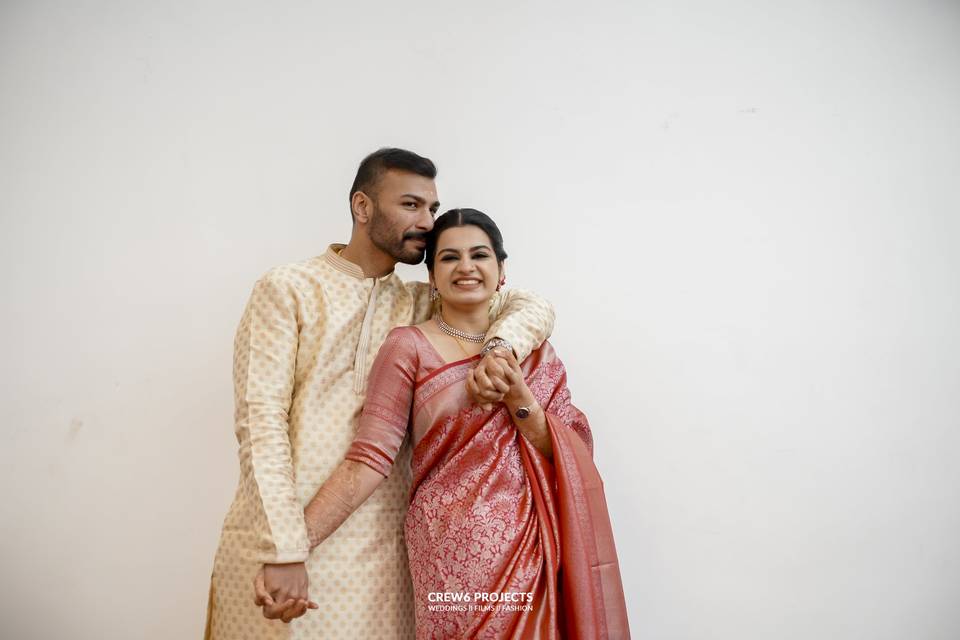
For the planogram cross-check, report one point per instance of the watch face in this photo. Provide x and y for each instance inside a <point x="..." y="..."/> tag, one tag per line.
<point x="523" y="412"/>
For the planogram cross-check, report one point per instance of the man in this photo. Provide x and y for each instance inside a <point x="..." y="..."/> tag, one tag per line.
<point x="302" y="352"/>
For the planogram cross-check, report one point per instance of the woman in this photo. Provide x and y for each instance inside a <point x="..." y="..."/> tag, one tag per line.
<point x="507" y="530"/>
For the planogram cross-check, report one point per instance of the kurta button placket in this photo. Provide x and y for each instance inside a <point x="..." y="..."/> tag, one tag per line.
<point x="363" y="345"/>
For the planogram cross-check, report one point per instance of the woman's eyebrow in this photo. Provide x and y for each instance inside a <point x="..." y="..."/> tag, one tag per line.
<point x="474" y="248"/>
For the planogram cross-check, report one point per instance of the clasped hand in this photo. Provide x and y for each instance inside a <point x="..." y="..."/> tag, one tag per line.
<point x="496" y="378"/>
<point x="281" y="591"/>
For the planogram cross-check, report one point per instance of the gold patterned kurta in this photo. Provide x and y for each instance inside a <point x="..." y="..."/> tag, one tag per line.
<point x="302" y="353"/>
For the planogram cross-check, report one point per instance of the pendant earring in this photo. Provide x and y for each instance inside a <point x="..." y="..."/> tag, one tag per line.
<point x="502" y="282"/>
<point x="434" y="294"/>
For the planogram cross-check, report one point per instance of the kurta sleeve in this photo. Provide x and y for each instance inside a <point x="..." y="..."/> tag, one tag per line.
<point x="386" y="409"/>
<point x="523" y="319"/>
<point x="265" y="354"/>
<point x="422" y="304"/>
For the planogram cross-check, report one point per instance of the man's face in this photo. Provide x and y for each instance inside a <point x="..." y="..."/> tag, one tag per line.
<point x="404" y="205"/>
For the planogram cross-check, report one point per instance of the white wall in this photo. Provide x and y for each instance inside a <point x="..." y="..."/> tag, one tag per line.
<point x="745" y="213"/>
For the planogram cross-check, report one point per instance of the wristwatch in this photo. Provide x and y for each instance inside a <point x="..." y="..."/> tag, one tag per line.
<point x="523" y="412"/>
<point x="493" y="343"/>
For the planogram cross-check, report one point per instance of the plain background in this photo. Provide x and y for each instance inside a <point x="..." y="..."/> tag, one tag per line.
<point x="746" y="214"/>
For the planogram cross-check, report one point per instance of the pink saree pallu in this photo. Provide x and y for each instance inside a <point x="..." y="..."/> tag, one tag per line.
<point x="502" y="541"/>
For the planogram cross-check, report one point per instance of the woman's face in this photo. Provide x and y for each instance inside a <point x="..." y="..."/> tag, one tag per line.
<point x="465" y="269"/>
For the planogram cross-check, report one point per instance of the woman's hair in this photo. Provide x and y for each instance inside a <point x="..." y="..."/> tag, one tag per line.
<point x="463" y="218"/>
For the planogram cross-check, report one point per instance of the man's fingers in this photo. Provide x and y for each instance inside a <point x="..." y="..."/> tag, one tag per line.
<point x="495" y="379"/>
<point x="282" y="595"/>
<point x="512" y="377"/>
<point x="508" y="362"/>
<point x="513" y="372"/>
<point x="492" y="366"/>
<point x="501" y="384"/>
<point x="482" y="395"/>
<point x="261" y="596"/>
<point x="263" y="600"/>
<point x="482" y="380"/>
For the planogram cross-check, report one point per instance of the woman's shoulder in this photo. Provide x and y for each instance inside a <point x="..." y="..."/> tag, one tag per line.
<point x="404" y="331"/>
<point x="404" y="339"/>
<point x="406" y="334"/>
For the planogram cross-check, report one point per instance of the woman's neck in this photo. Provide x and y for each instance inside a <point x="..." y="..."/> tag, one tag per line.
<point x="472" y="319"/>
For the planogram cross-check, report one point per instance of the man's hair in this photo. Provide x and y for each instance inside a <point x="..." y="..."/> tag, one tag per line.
<point x="380" y="161"/>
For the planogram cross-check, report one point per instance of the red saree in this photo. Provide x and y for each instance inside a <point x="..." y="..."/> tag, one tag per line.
<point x="502" y="542"/>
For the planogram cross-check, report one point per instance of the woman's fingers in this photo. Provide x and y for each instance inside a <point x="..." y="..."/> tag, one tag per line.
<point x="511" y="369"/>
<point x="275" y="612"/>
<point x="487" y="390"/>
<point x="483" y="380"/>
<point x="474" y="392"/>
<point x="298" y="609"/>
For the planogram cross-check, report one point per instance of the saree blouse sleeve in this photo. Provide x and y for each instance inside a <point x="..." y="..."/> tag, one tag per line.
<point x="386" y="410"/>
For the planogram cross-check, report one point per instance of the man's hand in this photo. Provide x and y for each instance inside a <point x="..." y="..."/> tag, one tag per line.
<point x="281" y="590"/>
<point x="487" y="382"/>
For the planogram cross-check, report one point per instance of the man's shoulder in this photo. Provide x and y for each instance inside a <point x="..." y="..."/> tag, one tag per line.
<point x="414" y="286"/>
<point x="296" y="274"/>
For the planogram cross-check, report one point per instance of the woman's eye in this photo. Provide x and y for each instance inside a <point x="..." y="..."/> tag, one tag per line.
<point x="449" y="258"/>
<point x="478" y="256"/>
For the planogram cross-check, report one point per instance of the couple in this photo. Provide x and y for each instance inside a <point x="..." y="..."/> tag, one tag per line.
<point x="505" y="501"/>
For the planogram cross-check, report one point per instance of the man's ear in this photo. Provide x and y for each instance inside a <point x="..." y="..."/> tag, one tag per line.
<point x="361" y="206"/>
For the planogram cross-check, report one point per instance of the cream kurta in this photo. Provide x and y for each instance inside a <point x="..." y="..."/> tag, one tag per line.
<point x="302" y="353"/>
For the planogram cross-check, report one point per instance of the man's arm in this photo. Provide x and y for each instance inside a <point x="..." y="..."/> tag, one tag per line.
<point x="265" y="352"/>
<point x="422" y="304"/>
<point x="522" y="318"/>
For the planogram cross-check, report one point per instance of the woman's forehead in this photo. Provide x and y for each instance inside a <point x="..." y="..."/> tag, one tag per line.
<point x="462" y="238"/>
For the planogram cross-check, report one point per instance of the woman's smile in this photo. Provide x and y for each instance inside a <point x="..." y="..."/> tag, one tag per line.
<point x="468" y="283"/>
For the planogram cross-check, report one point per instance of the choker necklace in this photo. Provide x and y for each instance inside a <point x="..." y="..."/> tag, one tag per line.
<point x="479" y="338"/>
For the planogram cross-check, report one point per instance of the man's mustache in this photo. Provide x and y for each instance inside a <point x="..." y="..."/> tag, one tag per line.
<point x="413" y="235"/>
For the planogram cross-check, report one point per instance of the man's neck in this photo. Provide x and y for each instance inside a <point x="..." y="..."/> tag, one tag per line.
<point x="375" y="263"/>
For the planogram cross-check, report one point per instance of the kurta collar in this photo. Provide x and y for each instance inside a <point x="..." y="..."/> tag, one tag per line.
<point x="338" y="262"/>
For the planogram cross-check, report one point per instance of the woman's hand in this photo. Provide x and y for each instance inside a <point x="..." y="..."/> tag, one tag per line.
<point x="517" y="394"/>
<point x="534" y="426"/>
<point x="486" y="382"/>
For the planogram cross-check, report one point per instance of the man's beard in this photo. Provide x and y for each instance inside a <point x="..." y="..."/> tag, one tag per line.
<point x="386" y="238"/>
